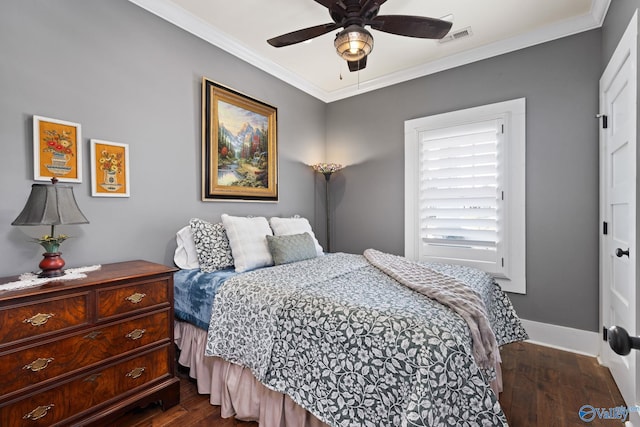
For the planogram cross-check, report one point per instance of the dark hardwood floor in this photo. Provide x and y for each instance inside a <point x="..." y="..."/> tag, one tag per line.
<point x="547" y="387"/>
<point x="542" y="387"/>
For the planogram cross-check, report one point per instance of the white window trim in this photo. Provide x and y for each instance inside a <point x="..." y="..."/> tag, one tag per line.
<point x="514" y="277"/>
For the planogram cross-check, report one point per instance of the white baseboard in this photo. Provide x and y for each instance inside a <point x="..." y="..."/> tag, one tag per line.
<point x="563" y="338"/>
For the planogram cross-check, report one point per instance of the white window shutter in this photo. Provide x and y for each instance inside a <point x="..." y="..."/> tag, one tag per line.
<point x="465" y="190"/>
<point x="459" y="184"/>
<point x="460" y="191"/>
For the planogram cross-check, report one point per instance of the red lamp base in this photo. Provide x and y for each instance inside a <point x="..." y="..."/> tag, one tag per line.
<point x="51" y="265"/>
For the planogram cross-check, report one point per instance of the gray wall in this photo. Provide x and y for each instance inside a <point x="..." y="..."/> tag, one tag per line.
<point x="127" y="76"/>
<point x="559" y="80"/>
<point x="618" y="17"/>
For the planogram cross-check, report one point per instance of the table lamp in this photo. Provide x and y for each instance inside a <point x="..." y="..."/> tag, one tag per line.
<point x="51" y="204"/>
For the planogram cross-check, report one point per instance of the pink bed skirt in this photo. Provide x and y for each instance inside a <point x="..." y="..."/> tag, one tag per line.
<point x="237" y="392"/>
<point x="234" y="388"/>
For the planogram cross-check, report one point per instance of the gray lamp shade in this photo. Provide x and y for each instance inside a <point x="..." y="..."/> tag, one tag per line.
<point x="51" y="204"/>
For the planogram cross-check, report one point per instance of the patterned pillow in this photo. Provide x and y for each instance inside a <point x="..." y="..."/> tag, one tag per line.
<point x="291" y="248"/>
<point x="212" y="245"/>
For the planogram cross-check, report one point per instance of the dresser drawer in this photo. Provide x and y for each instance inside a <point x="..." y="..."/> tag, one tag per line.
<point x="55" y="405"/>
<point x="28" y="367"/>
<point x="43" y="316"/>
<point x="131" y="297"/>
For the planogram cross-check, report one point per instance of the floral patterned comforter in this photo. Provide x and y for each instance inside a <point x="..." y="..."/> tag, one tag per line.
<point x="356" y="348"/>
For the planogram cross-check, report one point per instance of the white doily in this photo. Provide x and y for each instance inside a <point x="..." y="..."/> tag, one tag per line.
<point x="28" y="280"/>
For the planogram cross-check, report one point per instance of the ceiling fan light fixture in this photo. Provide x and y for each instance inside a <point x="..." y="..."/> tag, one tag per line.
<point x="353" y="43"/>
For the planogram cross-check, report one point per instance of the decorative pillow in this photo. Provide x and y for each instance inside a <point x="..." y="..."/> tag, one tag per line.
<point x="212" y="245"/>
<point x="248" y="242"/>
<point x="291" y="248"/>
<point x="185" y="256"/>
<point x="295" y="225"/>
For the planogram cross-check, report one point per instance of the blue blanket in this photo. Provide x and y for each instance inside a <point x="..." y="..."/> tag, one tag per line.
<point x="194" y="292"/>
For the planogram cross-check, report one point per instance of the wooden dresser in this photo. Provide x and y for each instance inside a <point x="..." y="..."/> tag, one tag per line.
<point x="81" y="352"/>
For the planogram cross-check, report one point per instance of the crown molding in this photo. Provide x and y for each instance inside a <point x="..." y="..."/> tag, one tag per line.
<point x="168" y="11"/>
<point x="565" y="28"/>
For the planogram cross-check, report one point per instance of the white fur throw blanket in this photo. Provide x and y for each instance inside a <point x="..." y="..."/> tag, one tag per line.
<point x="447" y="291"/>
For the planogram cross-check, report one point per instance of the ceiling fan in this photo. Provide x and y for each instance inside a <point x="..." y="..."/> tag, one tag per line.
<point x="354" y="42"/>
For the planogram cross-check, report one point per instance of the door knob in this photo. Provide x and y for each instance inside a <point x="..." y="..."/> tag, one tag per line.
<point x="620" y="252"/>
<point x="620" y="341"/>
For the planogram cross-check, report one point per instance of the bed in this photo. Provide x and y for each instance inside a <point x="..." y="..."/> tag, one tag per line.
<point x="337" y="339"/>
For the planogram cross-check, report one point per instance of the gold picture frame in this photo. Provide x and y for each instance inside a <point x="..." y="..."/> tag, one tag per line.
<point x="239" y="146"/>
<point x="109" y="169"/>
<point x="57" y="150"/>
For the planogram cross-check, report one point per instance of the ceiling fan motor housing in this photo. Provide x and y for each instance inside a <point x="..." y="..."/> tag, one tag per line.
<point x="353" y="43"/>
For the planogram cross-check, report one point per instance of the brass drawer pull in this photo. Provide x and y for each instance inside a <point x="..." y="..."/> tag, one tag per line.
<point x="136" y="334"/>
<point x="136" y="373"/>
<point x="92" y="335"/>
<point x="135" y="298"/>
<point x="39" y="412"/>
<point x="39" y="364"/>
<point x="38" y="319"/>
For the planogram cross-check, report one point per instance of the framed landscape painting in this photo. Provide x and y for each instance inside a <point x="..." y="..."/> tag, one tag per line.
<point x="239" y="147"/>
<point x="57" y="151"/>
<point x="109" y="169"/>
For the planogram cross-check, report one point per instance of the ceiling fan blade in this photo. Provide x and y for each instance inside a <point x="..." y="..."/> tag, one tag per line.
<point x="357" y="65"/>
<point x="302" y="35"/>
<point x="411" y="26"/>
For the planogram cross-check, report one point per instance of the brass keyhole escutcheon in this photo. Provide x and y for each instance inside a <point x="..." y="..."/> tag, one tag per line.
<point x="93" y="335"/>
<point x="92" y="378"/>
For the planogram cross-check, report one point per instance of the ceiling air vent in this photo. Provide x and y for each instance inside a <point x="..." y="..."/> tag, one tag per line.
<point x="456" y="35"/>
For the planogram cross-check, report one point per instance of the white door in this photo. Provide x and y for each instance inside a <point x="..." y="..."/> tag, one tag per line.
<point x="618" y="256"/>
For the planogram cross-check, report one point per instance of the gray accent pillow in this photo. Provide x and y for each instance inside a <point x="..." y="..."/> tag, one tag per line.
<point x="212" y="245"/>
<point x="291" y="248"/>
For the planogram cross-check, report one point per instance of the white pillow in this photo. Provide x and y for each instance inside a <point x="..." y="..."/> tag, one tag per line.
<point x="248" y="241"/>
<point x="185" y="256"/>
<point x="295" y="225"/>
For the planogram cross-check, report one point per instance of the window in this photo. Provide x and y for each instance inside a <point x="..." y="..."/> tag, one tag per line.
<point x="465" y="192"/>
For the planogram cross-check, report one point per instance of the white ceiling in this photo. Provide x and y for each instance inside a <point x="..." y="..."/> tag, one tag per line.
<point x="242" y="27"/>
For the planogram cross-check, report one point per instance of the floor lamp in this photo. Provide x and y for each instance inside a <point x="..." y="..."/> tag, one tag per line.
<point x="327" y="169"/>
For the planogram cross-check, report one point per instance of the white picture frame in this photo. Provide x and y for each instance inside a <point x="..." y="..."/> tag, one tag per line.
<point x="109" y="169"/>
<point x="57" y="150"/>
